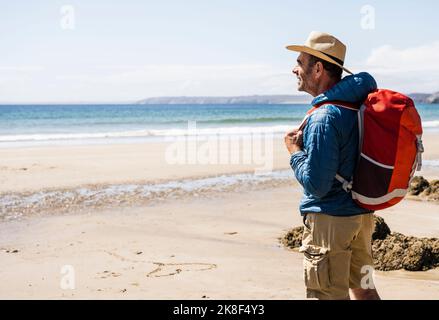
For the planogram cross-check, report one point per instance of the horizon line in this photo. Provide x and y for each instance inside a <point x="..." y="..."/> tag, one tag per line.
<point x="100" y="102"/>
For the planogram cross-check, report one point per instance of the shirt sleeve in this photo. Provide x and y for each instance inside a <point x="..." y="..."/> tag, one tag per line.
<point x="315" y="167"/>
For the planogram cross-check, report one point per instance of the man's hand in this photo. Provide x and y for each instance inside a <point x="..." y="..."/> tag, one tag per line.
<point x="294" y="140"/>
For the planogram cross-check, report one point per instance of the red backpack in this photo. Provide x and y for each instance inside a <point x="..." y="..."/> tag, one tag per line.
<point x="390" y="148"/>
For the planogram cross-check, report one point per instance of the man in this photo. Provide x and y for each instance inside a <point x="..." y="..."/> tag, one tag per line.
<point x="338" y="233"/>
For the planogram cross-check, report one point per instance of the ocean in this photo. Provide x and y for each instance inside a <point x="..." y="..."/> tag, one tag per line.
<point x="31" y="125"/>
<point x="40" y="125"/>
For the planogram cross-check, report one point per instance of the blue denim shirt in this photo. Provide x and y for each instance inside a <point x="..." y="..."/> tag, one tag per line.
<point x="330" y="146"/>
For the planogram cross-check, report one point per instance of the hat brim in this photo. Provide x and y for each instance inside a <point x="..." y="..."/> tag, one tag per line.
<point x="317" y="54"/>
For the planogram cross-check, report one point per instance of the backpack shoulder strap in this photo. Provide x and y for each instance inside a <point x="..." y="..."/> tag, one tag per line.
<point x="347" y="184"/>
<point x="343" y="104"/>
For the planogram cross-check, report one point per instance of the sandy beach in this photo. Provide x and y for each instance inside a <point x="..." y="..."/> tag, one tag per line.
<point x="207" y="243"/>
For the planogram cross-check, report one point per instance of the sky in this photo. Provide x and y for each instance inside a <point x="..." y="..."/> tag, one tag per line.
<point x="123" y="51"/>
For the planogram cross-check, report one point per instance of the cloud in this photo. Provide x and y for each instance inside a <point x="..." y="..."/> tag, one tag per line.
<point x="422" y="58"/>
<point x="413" y="69"/>
<point x="188" y="80"/>
<point x="134" y="82"/>
<point x="169" y="73"/>
<point x="17" y="75"/>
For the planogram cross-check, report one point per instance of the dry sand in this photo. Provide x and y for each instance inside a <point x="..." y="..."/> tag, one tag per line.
<point x="222" y="247"/>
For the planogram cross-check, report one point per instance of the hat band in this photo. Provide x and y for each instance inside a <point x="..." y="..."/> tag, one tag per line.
<point x="334" y="58"/>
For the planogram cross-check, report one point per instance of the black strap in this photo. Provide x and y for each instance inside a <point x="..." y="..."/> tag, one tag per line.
<point x="334" y="58"/>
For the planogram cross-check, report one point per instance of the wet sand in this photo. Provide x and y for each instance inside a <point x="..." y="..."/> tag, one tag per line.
<point x="57" y="167"/>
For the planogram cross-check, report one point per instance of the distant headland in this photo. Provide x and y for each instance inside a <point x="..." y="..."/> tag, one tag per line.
<point x="263" y="99"/>
<point x="255" y="99"/>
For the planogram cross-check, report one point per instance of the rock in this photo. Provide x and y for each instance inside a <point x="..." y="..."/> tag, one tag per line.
<point x="434" y="98"/>
<point x="391" y="251"/>
<point x="432" y="191"/>
<point x="293" y="238"/>
<point x="415" y="256"/>
<point x="417" y="185"/>
<point x="398" y="251"/>
<point x="382" y="230"/>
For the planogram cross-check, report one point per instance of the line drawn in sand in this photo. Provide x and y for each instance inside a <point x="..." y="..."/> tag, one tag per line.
<point x="167" y="269"/>
<point x="170" y="269"/>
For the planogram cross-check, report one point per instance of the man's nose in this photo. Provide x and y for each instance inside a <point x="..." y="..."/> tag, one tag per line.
<point x="296" y="70"/>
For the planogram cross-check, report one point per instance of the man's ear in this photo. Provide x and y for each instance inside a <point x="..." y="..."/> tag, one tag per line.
<point x="318" y="69"/>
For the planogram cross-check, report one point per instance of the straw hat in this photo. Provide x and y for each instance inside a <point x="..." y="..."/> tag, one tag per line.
<point x="325" y="47"/>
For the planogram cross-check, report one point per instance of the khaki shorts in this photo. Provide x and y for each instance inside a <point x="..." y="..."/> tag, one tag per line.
<point x="335" y="251"/>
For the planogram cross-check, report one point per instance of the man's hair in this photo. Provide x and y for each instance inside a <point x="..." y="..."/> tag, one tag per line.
<point x="334" y="71"/>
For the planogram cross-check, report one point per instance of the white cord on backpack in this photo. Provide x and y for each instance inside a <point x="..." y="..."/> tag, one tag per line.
<point x="420" y="148"/>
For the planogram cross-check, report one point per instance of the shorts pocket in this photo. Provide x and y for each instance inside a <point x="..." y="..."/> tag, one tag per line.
<point x="316" y="267"/>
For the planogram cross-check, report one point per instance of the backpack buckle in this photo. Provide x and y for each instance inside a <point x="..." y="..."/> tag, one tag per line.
<point x="346" y="185"/>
